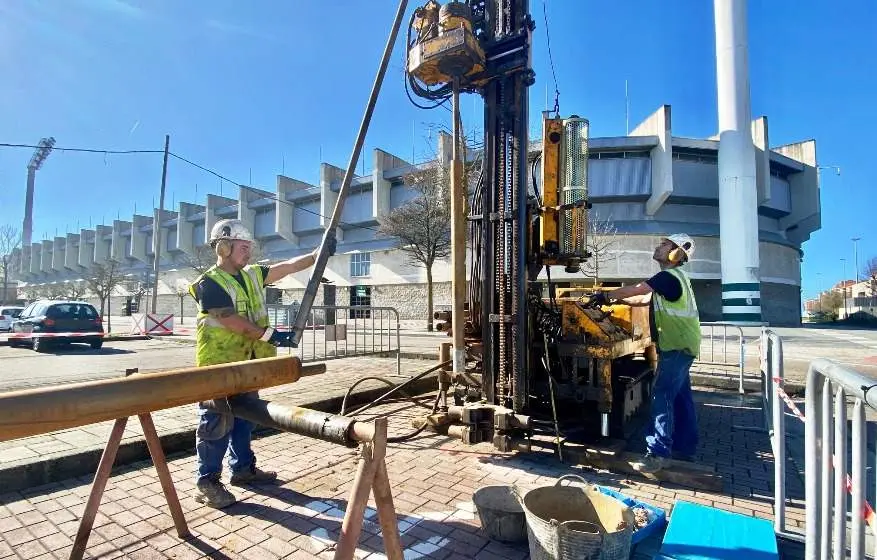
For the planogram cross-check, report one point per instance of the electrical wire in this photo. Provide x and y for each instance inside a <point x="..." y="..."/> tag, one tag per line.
<point x="87" y="150"/>
<point x="551" y="60"/>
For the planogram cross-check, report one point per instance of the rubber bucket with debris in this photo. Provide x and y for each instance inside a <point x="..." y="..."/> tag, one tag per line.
<point x="502" y="517"/>
<point x="575" y="523"/>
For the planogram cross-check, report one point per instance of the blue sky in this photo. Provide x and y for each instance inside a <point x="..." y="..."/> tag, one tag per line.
<point x="270" y="86"/>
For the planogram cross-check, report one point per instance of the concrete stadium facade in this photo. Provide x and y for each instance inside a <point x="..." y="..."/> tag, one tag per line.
<point x="646" y="185"/>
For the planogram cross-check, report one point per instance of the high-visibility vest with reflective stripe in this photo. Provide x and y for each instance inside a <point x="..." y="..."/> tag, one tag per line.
<point x="677" y="321"/>
<point x="216" y="344"/>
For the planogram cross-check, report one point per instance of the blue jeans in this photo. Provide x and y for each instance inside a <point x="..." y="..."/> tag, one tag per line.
<point x="674" y="421"/>
<point x="217" y="433"/>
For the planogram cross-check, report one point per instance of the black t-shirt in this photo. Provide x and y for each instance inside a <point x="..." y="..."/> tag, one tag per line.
<point x="211" y="295"/>
<point x="667" y="286"/>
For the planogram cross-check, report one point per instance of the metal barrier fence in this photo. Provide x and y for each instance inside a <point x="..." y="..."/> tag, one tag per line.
<point x="827" y="481"/>
<point x="825" y="448"/>
<point x="715" y="351"/>
<point x="343" y="331"/>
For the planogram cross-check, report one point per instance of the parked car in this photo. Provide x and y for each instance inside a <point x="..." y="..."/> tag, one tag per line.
<point x="7" y="316"/>
<point x="51" y="317"/>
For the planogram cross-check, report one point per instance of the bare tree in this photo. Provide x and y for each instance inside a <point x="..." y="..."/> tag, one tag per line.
<point x="10" y="240"/>
<point x="423" y="224"/>
<point x="201" y="259"/>
<point x="181" y="288"/>
<point x="870" y="271"/>
<point x="75" y="289"/>
<point x="601" y="239"/>
<point x="33" y="292"/>
<point x="830" y="303"/>
<point x="102" y="280"/>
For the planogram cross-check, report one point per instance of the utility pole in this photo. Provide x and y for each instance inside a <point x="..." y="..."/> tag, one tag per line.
<point x="843" y="287"/>
<point x="156" y="226"/>
<point x="856" y="256"/>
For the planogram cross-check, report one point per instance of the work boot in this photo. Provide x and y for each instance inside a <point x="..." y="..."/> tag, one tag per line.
<point x="253" y="475"/>
<point x="684" y="457"/>
<point x="649" y="464"/>
<point x="212" y="493"/>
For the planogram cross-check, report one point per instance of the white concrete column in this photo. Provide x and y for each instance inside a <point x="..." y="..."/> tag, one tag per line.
<point x="117" y="245"/>
<point x="46" y="256"/>
<point x="659" y="124"/>
<point x="59" y="253"/>
<point x="738" y="208"/>
<point x="139" y="239"/>
<point x="71" y="251"/>
<point x="86" y="248"/>
<point x="186" y="241"/>
<point x="36" y="250"/>
<point x="329" y="174"/>
<point x="284" y="215"/>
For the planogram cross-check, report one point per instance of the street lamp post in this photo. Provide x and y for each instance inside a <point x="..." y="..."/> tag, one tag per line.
<point x="856" y="256"/>
<point x="843" y="287"/>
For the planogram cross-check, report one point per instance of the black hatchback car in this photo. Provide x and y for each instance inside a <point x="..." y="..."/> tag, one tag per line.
<point x="54" y="317"/>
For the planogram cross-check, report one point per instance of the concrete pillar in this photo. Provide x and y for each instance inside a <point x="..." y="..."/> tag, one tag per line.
<point x="186" y="229"/>
<point x="163" y="228"/>
<point x="214" y="203"/>
<point x="59" y="253"/>
<point x="329" y="175"/>
<point x="738" y="207"/>
<point x="762" y="159"/>
<point x="104" y="248"/>
<point x="24" y="263"/>
<point x="284" y="215"/>
<point x="659" y="124"/>
<point x="383" y="161"/>
<point x="46" y="256"/>
<point x="86" y="248"/>
<point x="36" y="250"/>
<point x="117" y="245"/>
<point x="71" y="251"/>
<point x="139" y="238"/>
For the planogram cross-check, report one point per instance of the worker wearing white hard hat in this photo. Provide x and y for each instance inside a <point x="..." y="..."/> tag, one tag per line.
<point x="675" y="329"/>
<point x="232" y="326"/>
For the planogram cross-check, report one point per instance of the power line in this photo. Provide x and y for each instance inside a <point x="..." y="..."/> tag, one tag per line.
<point x="87" y="150"/>
<point x="193" y="164"/>
<point x="261" y="193"/>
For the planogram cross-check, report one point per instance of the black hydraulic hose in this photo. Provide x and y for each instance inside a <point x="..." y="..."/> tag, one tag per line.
<point x="375" y="378"/>
<point x="398" y="388"/>
<point x="405" y="437"/>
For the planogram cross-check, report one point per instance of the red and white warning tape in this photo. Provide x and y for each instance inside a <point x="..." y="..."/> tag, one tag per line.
<point x="869" y="511"/>
<point x="52" y="335"/>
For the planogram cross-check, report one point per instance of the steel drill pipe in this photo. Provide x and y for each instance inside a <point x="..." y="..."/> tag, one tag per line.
<point x="39" y="411"/>
<point x="333" y="428"/>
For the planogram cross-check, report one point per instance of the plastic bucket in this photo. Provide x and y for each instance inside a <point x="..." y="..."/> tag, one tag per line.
<point x="502" y="517"/>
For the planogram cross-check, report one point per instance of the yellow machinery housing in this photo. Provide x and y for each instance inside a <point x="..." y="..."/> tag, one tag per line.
<point x="446" y="47"/>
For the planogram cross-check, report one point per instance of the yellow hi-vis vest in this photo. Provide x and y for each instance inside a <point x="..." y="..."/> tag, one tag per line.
<point x="216" y="344"/>
<point x="677" y="321"/>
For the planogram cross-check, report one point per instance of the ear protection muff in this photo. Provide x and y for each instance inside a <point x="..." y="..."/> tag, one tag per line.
<point x="222" y="248"/>
<point x="677" y="255"/>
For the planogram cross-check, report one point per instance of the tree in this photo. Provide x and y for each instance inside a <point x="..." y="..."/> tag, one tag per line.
<point x="200" y="260"/>
<point x="601" y="239"/>
<point x="830" y="302"/>
<point x="181" y="288"/>
<point x="870" y="271"/>
<point x="423" y="224"/>
<point x="10" y="240"/>
<point x="102" y="279"/>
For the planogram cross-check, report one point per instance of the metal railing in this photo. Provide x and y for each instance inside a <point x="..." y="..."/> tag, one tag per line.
<point x="715" y="349"/>
<point x="343" y="331"/>
<point x="825" y="446"/>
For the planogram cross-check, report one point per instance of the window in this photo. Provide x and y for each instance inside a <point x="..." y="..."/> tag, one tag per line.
<point x="360" y="264"/>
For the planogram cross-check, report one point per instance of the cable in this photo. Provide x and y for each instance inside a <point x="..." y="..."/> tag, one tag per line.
<point x="87" y="150"/>
<point x="262" y="193"/>
<point x="551" y="60"/>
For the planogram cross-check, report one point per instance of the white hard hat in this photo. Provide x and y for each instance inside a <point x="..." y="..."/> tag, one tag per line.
<point x="233" y="230"/>
<point x="684" y="242"/>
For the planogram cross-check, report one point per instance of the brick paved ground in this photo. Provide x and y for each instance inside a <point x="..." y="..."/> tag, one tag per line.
<point x="432" y="478"/>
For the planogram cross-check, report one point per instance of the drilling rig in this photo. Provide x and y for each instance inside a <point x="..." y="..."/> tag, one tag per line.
<point x="527" y="361"/>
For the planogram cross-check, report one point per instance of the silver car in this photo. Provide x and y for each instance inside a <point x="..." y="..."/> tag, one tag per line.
<point x="7" y="315"/>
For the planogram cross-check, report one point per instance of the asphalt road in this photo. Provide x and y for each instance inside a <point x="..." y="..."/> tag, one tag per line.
<point x="22" y="368"/>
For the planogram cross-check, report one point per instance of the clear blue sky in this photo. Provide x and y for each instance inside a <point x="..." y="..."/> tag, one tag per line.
<point x="264" y="87"/>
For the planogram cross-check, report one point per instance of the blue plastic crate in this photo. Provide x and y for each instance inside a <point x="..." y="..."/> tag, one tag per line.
<point x="657" y="516"/>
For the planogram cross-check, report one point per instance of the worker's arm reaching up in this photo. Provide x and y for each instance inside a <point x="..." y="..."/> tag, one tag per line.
<point x="297" y="264"/>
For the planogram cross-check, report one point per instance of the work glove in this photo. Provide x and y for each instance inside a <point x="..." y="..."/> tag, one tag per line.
<point x="278" y="338"/>
<point x="599" y="299"/>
